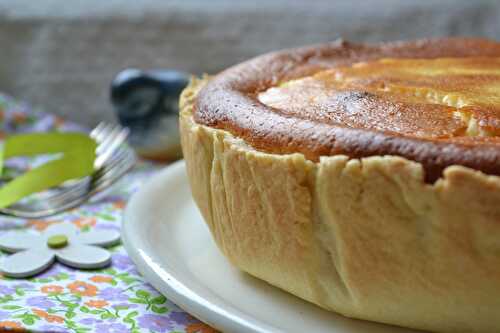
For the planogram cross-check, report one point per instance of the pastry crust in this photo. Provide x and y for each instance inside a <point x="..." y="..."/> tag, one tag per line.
<point x="367" y="238"/>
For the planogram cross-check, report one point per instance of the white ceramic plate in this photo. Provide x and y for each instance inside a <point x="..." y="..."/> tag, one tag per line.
<point x="167" y="239"/>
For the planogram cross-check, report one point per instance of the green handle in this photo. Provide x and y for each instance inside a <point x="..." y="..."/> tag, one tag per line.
<point x="76" y="161"/>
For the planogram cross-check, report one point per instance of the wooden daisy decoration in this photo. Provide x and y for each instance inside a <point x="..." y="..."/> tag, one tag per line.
<point x="34" y="253"/>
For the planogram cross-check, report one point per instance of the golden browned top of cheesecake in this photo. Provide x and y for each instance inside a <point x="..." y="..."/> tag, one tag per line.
<point x="436" y="102"/>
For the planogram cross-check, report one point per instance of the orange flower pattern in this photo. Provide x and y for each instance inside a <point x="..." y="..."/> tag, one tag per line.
<point x="82" y="288"/>
<point x="101" y="279"/>
<point x="52" y="289"/>
<point x="113" y="299"/>
<point x="11" y="326"/>
<point x="40" y="225"/>
<point x="84" y="222"/>
<point x="99" y="303"/>
<point x="119" y="204"/>
<point x="48" y="317"/>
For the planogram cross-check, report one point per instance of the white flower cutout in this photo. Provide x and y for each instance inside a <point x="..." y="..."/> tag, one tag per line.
<point x="62" y="242"/>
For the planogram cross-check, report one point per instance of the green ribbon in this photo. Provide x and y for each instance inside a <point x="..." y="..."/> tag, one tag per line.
<point x="76" y="161"/>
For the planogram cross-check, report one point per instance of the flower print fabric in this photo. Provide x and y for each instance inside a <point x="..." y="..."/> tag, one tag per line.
<point x="115" y="299"/>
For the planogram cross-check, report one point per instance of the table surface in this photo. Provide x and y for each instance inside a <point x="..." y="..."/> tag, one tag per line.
<point x="114" y="299"/>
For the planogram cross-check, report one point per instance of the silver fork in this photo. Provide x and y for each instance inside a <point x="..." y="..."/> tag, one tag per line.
<point x="113" y="160"/>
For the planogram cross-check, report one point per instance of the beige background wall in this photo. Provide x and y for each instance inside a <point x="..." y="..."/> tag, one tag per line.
<point x="61" y="55"/>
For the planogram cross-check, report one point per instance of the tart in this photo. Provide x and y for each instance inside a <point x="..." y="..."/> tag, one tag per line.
<point x="362" y="178"/>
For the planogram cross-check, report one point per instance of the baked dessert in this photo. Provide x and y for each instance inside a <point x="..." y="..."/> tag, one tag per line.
<point x="362" y="178"/>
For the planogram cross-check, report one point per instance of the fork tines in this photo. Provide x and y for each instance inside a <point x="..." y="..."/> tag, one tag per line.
<point x="114" y="158"/>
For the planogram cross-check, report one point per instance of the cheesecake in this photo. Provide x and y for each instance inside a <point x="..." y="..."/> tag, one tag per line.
<point x="362" y="178"/>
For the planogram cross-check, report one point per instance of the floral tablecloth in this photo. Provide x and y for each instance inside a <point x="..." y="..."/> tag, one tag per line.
<point x="111" y="300"/>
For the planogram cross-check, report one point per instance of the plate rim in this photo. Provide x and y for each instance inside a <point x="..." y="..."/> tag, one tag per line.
<point x="175" y="290"/>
